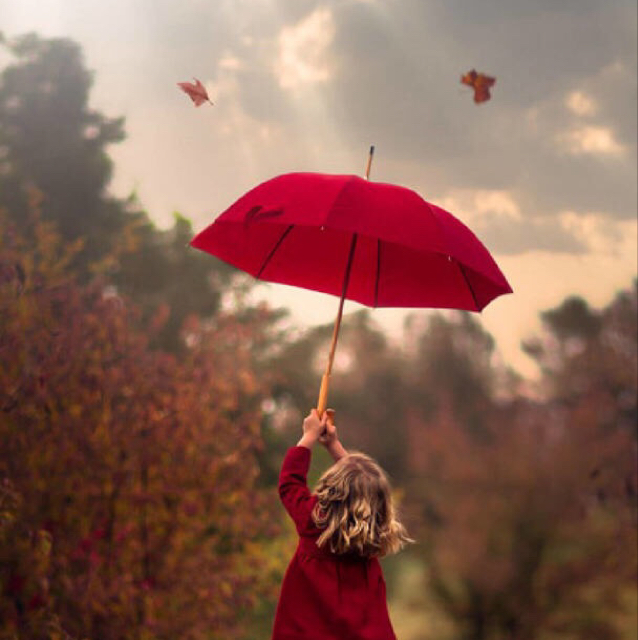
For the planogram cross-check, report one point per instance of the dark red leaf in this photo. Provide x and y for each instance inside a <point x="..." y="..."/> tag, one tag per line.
<point x="481" y="84"/>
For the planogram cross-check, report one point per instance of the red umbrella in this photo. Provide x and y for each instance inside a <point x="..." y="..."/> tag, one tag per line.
<point x="379" y="244"/>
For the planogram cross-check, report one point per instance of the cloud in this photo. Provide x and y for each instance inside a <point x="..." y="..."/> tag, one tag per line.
<point x="560" y="129"/>
<point x="559" y="134"/>
<point x="496" y="218"/>
<point x="512" y="237"/>
<point x="499" y="222"/>
<point x="580" y="103"/>
<point x="310" y="84"/>
<point x="601" y="236"/>
<point x="303" y="55"/>
<point x="583" y="159"/>
<point x="230" y="62"/>
<point x="590" y="140"/>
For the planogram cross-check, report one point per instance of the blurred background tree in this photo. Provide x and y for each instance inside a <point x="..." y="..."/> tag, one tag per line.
<point x="528" y="524"/>
<point x="53" y="143"/>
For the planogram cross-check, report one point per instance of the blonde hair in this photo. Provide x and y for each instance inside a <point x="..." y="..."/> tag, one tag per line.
<point x="354" y="507"/>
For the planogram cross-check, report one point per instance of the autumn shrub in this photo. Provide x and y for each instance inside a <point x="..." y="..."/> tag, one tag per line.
<point x="130" y="505"/>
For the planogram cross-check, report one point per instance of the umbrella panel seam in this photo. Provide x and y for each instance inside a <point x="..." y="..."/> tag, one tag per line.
<point x="273" y="250"/>
<point x="469" y="286"/>
<point x="336" y="199"/>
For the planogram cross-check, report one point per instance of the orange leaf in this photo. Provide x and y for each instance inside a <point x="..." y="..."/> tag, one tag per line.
<point x="196" y="92"/>
<point x="480" y="83"/>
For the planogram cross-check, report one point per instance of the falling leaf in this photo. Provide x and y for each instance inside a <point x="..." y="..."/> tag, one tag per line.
<point x="480" y="83"/>
<point x="196" y="92"/>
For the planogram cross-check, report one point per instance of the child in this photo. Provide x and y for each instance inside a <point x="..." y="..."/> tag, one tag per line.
<point x="334" y="588"/>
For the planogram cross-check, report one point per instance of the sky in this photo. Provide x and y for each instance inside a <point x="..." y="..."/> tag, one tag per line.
<point x="544" y="173"/>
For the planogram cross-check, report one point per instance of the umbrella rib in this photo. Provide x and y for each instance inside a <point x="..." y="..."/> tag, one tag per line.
<point x="272" y="251"/>
<point x="469" y="286"/>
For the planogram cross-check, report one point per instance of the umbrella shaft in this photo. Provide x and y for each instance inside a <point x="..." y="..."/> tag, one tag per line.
<point x="346" y="279"/>
<point x="367" y="174"/>
<point x="322" y="402"/>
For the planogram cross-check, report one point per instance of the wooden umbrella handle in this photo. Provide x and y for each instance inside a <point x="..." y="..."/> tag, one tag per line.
<point x="323" y="399"/>
<point x="322" y="402"/>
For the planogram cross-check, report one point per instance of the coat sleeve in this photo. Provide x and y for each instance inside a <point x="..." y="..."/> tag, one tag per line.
<point x="293" y="487"/>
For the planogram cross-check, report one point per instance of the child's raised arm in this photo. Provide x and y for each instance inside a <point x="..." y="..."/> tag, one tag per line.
<point x="293" y="486"/>
<point x="330" y="439"/>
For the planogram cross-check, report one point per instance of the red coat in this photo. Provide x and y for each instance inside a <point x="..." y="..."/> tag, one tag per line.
<point x="325" y="596"/>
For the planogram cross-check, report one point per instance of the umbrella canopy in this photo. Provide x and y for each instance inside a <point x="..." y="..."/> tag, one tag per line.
<point x="302" y="229"/>
<point x="379" y="244"/>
